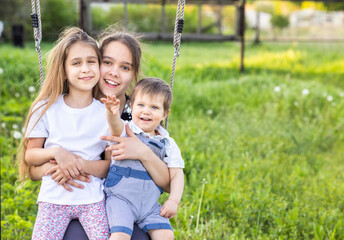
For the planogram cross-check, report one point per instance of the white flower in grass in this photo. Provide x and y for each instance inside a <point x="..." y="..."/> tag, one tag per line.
<point x="17" y="94"/>
<point x="32" y="89"/>
<point x="204" y="181"/>
<point x="277" y="89"/>
<point x="191" y="216"/>
<point x="1" y="71"/>
<point x="15" y="126"/>
<point x="210" y="111"/>
<point x="3" y="125"/>
<point x="305" y="92"/>
<point x="296" y="103"/>
<point x="341" y="94"/>
<point x="329" y="98"/>
<point x="17" y="134"/>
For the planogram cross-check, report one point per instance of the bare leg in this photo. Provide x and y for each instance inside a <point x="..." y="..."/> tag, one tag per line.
<point x="119" y="236"/>
<point x="158" y="234"/>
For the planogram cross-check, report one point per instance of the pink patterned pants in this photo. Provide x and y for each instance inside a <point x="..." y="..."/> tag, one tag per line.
<point x="52" y="220"/>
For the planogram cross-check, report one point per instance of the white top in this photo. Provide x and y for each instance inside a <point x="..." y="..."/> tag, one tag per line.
<point x="174" y="157"/>
<point x="78" y="131"/>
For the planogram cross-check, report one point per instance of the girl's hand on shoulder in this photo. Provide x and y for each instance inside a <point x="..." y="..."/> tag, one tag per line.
<point x="169" y="209"/>
<point x="111" y="103"/>
<point x="129" y="147"/>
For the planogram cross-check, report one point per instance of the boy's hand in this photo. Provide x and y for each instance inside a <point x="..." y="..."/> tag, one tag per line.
<point x="169" y="209"/>
<point x="112" y="104"/>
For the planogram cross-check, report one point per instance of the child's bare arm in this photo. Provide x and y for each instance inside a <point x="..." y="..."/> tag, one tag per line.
<point x="112" y="114"/>
<point x="37" y="155"/>
<point x="98" y="168"/>
<point x="169" y="209"/>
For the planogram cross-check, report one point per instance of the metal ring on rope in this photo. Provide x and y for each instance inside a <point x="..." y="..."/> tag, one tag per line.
<point x="178" y="29"/>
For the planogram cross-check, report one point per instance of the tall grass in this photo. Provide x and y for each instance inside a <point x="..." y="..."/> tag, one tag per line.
<point x="263" y="150"/>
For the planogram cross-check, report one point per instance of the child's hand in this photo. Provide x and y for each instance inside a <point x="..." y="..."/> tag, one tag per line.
<point x="68" y="162"/>
<point x="57" y="175"/>
<point x="112" y="104"/>
<point x="61" y="179"/>
<point x="169" y="209"/>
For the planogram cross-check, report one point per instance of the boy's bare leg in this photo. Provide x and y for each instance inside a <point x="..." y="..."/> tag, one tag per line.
<point x="161" y="234"/>
<point x="119" y="236"/>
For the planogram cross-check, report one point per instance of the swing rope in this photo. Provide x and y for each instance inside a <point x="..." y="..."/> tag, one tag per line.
<point x="37" y="33"/>
<point x="178" y="29"/>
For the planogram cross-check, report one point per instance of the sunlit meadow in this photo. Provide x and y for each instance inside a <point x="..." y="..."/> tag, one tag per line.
<point x="264" y="150"/>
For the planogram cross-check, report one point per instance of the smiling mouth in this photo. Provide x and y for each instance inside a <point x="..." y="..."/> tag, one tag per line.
<point x="111" y="82"/>
<point x="86" y="78"/>
<point x="145" y="119"/>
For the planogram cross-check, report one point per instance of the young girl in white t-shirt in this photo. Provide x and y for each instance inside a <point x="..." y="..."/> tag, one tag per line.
<point x="66" y="118"/>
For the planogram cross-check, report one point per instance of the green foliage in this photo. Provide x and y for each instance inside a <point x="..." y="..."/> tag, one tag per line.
<point x="57" y="14"/>
<point x="269" y="143"/>
<point x="279" y="21"/>
<point x="147" y="18"/>
<point x="334" y="6"/>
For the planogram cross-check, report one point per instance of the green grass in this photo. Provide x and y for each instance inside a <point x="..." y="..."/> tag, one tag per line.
<point x="265" y="164"/>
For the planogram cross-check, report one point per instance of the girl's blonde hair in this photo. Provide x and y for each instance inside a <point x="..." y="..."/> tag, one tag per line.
<point x="117" y="34"/>
<point x="55" y="83"/>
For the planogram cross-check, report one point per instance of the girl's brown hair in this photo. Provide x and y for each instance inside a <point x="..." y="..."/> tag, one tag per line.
<point x="55" y="83"/>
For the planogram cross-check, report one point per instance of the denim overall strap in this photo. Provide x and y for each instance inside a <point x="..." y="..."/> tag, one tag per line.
<point x="129" y="172"/>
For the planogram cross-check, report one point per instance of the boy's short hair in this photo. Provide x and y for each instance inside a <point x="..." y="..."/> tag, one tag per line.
<point x="154" y="86"/>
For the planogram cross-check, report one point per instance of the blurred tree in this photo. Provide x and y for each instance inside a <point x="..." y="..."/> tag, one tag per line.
<point x="14" y="12"/>
<point x="334" y="6"/>
<point x="279" y="22"/>
<point x="56" y="15"/>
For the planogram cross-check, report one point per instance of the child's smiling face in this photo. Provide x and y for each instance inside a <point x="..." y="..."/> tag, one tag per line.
<point x="148" y="111"/>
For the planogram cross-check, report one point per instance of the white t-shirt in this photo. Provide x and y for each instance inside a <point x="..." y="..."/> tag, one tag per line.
<point x="78" y="131"/>
<point x="173" y="157"/>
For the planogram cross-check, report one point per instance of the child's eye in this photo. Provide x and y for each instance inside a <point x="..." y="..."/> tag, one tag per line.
<point x="140" y="104"/>
<point x="155" y="107"/>
<point x="106" y="62"/>
<point x="75" y="63"/>
<point x="92" y="61"/>
<point x="125" y="68"/>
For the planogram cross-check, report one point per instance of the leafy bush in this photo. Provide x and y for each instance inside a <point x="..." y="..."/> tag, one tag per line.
<point x="279" y="21"/>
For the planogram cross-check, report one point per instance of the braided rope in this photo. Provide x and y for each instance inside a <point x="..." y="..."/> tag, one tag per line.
<point x="37" y="34"/>
<point x="176" y="41"/>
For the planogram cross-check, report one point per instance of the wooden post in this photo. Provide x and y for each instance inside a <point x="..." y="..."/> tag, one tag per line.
<point x="199" y="25"/>
<point x="219" y="19"/>
<point x="242" y="34"/>
<point x="85" y="18"/>
<point x="125" y="14"/>
<point x="82" y="16"/>
<point x="163" y="17"/>
<point x="256" y="37"/>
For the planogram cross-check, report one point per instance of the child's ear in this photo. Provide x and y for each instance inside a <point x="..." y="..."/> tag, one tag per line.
<point x="166" y="114"/>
